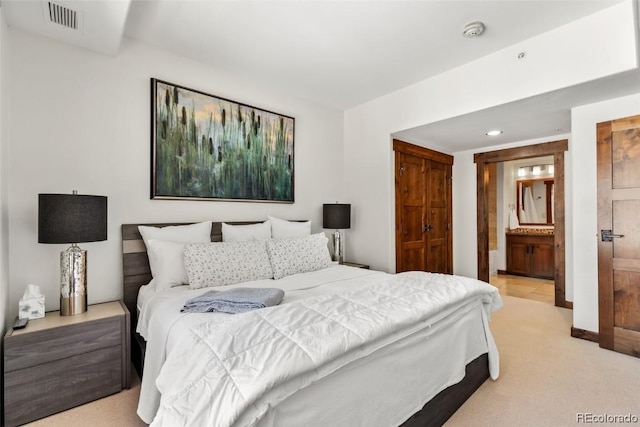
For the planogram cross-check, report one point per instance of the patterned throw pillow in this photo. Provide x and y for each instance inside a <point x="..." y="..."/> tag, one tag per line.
<point x="226" y="263"/>
<point x="298" y="255"/>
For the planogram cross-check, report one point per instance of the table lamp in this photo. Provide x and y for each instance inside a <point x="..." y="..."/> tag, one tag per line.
<point x="338" y="217"/>
<point x="72" y="218"/>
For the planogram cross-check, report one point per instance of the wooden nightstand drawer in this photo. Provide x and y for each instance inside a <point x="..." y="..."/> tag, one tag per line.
<point x="58" y="362"/>
<point x="47" y="346"/>
<point x="56" y="386"/>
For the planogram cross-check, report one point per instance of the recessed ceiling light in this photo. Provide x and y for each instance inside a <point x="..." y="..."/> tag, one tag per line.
<point x="494" y="132"/>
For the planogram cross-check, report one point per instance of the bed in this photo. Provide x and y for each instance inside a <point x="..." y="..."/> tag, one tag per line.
<point x="391" y="384"/>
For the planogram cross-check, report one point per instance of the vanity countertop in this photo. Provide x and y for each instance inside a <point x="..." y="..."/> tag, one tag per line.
<point x="530" y="231"/>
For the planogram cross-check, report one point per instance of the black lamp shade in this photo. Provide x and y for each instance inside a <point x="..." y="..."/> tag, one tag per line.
<point x="336" y="216"/>
<point x="71" y="218"/>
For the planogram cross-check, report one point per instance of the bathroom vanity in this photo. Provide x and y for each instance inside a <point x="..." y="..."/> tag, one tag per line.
<point x="530" y="252"/>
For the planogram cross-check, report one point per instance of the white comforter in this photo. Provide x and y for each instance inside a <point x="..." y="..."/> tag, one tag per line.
<point x="223" y="372"/>
<point x="162" y="324"/>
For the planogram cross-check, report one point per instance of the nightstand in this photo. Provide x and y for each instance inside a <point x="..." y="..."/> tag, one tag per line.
<point x="355" y="264"/>
<point x="58" y="362"/>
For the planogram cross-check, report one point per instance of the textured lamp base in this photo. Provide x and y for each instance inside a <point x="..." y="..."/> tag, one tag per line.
<point x="73" y="281"/>
<point x="337" y="247"/>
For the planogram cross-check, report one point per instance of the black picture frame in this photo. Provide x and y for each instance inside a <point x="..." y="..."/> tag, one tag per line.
<point x="205" y="147"/>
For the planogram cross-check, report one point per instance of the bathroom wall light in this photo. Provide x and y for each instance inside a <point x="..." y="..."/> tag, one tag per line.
<point x="542" y="171"/>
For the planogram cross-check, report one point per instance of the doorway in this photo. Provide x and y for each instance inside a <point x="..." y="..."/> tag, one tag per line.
<point x="483" y="160"/>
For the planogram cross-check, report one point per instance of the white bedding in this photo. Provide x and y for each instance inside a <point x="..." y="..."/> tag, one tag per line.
<point x="161" y="323"/>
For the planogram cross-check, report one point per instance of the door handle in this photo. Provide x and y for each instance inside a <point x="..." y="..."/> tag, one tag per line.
<point x="427" y="227"/>
<point x="608" y="236"/>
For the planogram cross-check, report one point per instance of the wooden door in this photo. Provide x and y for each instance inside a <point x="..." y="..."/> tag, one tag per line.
<point x="438" y="221"/>
<point x="423" y="209"/>
<point x="410" y="201"/>
<point x="619" y="239"/>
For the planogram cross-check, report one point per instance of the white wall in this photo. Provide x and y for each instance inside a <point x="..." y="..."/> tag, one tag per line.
<point x="563" y="57"/>
<point x="4" y="181"/>
<point x="585" y="204"/>
<point x="81" y="121"/>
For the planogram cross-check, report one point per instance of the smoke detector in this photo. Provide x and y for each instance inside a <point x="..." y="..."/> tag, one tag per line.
<point x="473" y="29"/>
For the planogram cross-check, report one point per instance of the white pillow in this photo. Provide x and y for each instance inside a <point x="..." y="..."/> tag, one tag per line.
<point x="169" y="269"/>
<point x="241" y="233"/>
<point x="200" y="232"/>
<point x="298" y="255"/>
<point x="226" y="263"/>
<point x="282" y="229"/>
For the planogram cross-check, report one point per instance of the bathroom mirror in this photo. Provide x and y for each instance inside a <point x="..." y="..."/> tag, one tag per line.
<point x="535" y="201"/>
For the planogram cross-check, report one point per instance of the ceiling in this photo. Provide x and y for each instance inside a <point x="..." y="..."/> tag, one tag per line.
<point x="540" y="116"/>
<point x="343" y="53"/>
<point x="340" y="53"/>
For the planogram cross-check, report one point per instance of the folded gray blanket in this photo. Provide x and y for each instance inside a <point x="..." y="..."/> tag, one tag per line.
<point x="232" y="301"/>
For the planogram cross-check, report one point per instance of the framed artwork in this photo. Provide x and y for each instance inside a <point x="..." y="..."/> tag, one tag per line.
<point x="204" y="147"/>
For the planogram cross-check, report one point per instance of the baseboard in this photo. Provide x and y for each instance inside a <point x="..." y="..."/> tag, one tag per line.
<point x="584" y="334"/>
<point x="566" y="304"/>
<point x="502" y="272"/>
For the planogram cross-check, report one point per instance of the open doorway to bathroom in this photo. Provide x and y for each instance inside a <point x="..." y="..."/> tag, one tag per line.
<point x="484" y="162"/>
<point x="521" y="247"/>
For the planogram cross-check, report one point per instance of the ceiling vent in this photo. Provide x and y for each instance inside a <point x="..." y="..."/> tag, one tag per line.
<point x="62" y="15"/>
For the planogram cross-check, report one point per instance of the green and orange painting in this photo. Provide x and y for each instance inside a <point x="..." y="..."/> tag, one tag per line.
<point x="205" y="147"/>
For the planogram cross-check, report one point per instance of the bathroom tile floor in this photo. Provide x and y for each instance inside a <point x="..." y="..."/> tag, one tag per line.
<point x="524" y="287"/>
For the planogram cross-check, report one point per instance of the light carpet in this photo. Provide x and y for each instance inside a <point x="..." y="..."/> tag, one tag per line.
<point x="546" y="378"/>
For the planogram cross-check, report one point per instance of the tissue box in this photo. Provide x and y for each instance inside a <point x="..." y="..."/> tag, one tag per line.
<point x="31" y="305"/>
<point x="32" y="308"/>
